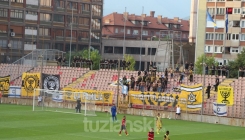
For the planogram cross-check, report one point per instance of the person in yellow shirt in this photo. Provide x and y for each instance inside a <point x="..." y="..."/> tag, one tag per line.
<point x="166" y="136"/>
<point x="158" y="123"/>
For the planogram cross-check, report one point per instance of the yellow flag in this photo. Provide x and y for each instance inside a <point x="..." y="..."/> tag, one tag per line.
<point x="189" y="99"/>
<point x="225" y="95"/>
<point x="99" y="97"/>
<point x="30" y="81"/>
<point x="4" y="84"/>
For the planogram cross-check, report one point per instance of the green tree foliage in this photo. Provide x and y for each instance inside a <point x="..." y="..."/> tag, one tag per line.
<point x="94" y="56"/>
<point x="130" y="58"/>
<point x="207" y="60"/>
<point x="236" y="64"/>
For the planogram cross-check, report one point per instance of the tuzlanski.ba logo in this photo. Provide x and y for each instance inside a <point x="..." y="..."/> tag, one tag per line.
<point x="51" y="83"/>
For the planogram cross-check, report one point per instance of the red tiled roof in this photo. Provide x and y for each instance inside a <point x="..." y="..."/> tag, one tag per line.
<point x="117" y="19"/>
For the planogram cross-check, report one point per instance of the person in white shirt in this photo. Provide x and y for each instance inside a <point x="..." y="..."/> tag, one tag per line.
<point x="39" y="99"/>
<point x="178" y="112"/>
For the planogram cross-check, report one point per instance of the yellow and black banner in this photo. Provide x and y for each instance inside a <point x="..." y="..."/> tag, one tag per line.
<point x="4" y="84"/>
<point x="30" y="81"/>
<point x="189" y="99"/>
<point x="225" y="95"/>
<point x="100" y="97"/>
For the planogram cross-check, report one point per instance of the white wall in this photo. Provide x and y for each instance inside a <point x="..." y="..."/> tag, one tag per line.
<point x="31" y="17"/>
<point x="32" y="2"/>
<point x="30" y="32"/>
<point x="30" y="47"/>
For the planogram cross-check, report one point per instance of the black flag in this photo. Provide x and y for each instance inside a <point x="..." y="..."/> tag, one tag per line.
<point x="51" y="82"/>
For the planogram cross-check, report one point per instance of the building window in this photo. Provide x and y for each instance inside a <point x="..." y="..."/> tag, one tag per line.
<point x="135" y="50"/>
<point x="116" y="30"/>
<point x="217" y="49"/>
<point x="83" y="21"/>
<point x="96" y="24"/>
<point x="122" y="30"/>
<point x="16" y="14"/>
<point x="15" y="44"/>
<point x="95" y="37"/>
<point x="3" y="43"/>
<point x="46" y="3"/>
<point x="135" y="32"/>
<point x="59" y="4"/>
<point x="209" y="49"/>
<point x="58" y="18"/>
<point x="72" y="5"/>
<point x="235" y="36"/>
<point x="59" y="33"/>
<point x="17" y="1"/>
<point x="236" y="10"/>
<point x="83" y="36"/>
<point x="242" y="37"/>
<point x="220" y="11"/>
<point x="242" y="24"/>
<point x="128" y="31"/>
<point x="45" y="17"/>
<point x="44" y="32"/>
<point x="3" y="12"/>
<point x="145" y="32"/>
<point x="152" y="51"/>
<point x="69" y="20"/>
<point x="108" y="49"/>
<point x="234" y="50"/>
<point x="209" y="36"/>
<point x="118" y="50"/>
<point x="236" y="23"/>
<point x="85" y="7"/>
<point x="211" y="11"/>
<point x="96" y="10"/>
<point x="228" y="36"/>
<point x="68" y="33"/>
<point x="219" y="36"/>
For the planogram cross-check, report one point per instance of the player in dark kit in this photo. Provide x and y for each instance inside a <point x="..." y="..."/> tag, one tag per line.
<point x="123" y="126"/>
<point x="151" y="134"/>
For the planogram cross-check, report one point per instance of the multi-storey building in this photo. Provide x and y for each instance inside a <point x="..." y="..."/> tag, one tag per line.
<point x="26" y="25"/>
<point x="147" y="26"/>
<point x="224" y="46"/>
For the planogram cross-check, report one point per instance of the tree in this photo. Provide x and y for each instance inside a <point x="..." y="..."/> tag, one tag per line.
<point x="94" y="56"/>
<point x="209" y="60"/>
<point x="236" y="64"/>
<point x="130" y="58"/>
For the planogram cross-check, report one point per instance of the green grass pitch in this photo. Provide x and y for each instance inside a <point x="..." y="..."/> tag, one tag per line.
<point x="21" y="123"/>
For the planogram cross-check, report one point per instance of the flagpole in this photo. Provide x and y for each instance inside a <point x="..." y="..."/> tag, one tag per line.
<point x="226" y="26"/>
<point x="203" y="61"/>
<point x="124" y="32"/>
<point x="141" y="37"/>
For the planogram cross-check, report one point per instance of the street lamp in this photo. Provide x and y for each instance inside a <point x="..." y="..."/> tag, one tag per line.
<point x="151" y="47"/>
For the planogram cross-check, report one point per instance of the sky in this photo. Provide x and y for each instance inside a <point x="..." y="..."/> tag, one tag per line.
<point x="166" y="8"/>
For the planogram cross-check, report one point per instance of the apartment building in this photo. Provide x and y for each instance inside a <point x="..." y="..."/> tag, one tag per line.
<point x="26" y="25"/>
<point x="151" y="28"/>
<point x="224" y="46"/>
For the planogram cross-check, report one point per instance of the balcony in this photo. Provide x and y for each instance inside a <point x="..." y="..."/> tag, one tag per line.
<point x="45" y="8"/>
<point x="15" y="4"/>
<point x="3" y="34"/>
<point x="16" y="20"/>
<point x="4" y="3"/>
<point x="42" y="38"/>
<point x="60" y="24"/>
<point x="85" y="12"/>
<point x="85" y="40"/>
<point x="45" y="22"/>
<point x="84" y="27"/>
<point x="74" y="39"/>
<point x="4" y="19"/>
<point x="59" y="9"/>
<point x="59" y="38"/>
